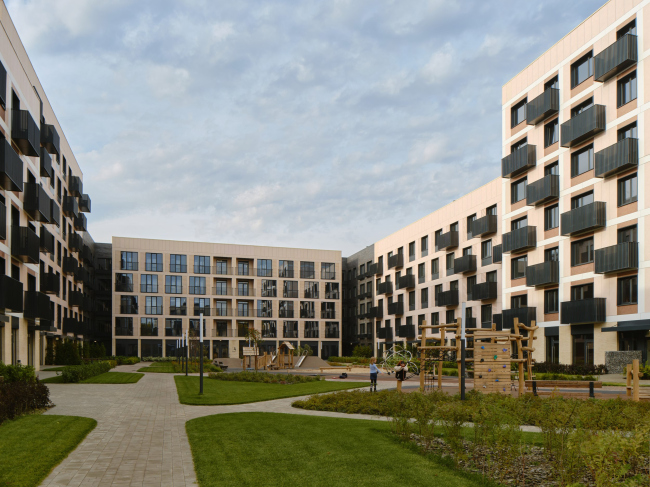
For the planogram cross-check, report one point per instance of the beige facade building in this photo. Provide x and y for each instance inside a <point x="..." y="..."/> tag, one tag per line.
<point x="161" y="287"/>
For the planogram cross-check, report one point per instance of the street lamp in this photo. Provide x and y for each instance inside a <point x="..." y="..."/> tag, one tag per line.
<point x="201" y="354"/>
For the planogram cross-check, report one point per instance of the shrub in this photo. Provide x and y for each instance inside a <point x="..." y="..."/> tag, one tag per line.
<point x="265" y="377"/>
<point x="158" y="359"/>
<point x="362" y="351"/>
<point x="304" y="350"/>
<point x="121" y="360"/>
<point x="17" y="373"/>
<point x="77" y="373"/>
<point x="66" y="352"/>
<point x="49" y="353"/>
<point x="570" y="369"/>
<point x="21" y="397"/>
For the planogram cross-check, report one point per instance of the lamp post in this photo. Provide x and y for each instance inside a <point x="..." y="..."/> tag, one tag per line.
<point x="187" y="350"/>
<point x="201" y="354"/>
<point x="462" y="352"/>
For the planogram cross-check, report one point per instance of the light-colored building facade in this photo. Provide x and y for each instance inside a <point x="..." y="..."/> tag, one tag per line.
<point x="161" y="287"/>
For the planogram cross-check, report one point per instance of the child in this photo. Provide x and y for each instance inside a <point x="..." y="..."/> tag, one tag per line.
<point x="374" y="370"/>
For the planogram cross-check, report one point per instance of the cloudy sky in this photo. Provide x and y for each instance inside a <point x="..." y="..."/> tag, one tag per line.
<point x="325" y="124"/>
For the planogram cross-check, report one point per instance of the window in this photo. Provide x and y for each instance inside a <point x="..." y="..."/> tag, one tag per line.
<point x="471" y="282"/>
<point x="585" y="105"/>
<point x="286" y="268"/>
<point x="244" y="289"/>
<point x="424" y="297"/>
<point x="177" y="263"/>
<point x="453" y="227"/>
<point x="311" y="329"/>
<point x="551" y="133"/>
<point x="412" y="301"/>
<point x="552" y="169"/>
<point x="551" y="301"/>
<point x="518" y="113"/>
<point x="518" y="223"/>
<point x="582" y="200"/>
<point x="411" y="251"/>
<point x="331" y="329"/>
<point x="327" y="310"/>
<point x="264" y="308"/>
<point x="269" y="329"/>
<point x="435" y="320"/>
<point x="264" y="268"/>
<point x="517" y="302"/>
<point x="244" y="268"/>
<point x="332" y="290"/>
<point x="307" y="309"/>
<point x="421" y="273"/>
<point x="552" y="255"/>
<point x="124" y="326"/>
<point x="148" y="283"/>
<point x="221" y="308"/>
<point x="551" y="217"/>
<point x="269" y="288"/>
<point x="627" y="291"/>
<point x="197" y="285"/>
<point x="436" y="237"/>
<point x="307" y="270"/>
<point x="201" y="264"/>
<point x="153" y="262"/>
<point x="553" y="349"/>
<point x="311" y="290"/>
<point x="123" y="283"/>
<point x="178" y="306"/>
<point x="626" y="89"/>
<point x="583" y="291"/>
<point x="582" y="252"/>
<point x="129" y="261"/>
<point x="437" y="290"/>
<point x="628" y="132"/>
<point x="453" y="285"/>
<point x="519" y="267"/>
<point x="627" y="190"/>
<point x="221" y="288"/>
<point x="424" y="246"/>
<point x="129" y="305"/>
<point x="582" y="69"/>
<point x="491" y="276"/>
<point x="627" y="234"/>
<point x="470" y="220"/>
<point x="148" y="327"/>
<point x="486" y="252"/>
<point x="519" y="145"/>
<point x="491" y="210"/>
<point x="434" y="269"/>
<point x="554" y="82"/>
<point x="486" y="315"/>
<point x="450" y="316"/>
<point x="327" y="271"/>
<point x="628" y="29"/>
<point x="450" y="264"/>
<point x="582" y="161"/>
<point x="173" y="284"/>
<point x="173" y="327"/>
<point x="290" y="329"/>
<point x="153" y="305"/>
<point x="467" y="251"/>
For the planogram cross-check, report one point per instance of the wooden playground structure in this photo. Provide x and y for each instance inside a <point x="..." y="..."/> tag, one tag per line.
<point x="633" y="386"/>
<point x="283" y="359"/>
<point x="491" y="355"/>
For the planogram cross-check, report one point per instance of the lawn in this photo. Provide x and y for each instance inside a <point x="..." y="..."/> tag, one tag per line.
<point x="106" y="378"/>
<point x="53" y="369"/>
<point x="286" y="449"/>
<point x="31" y="446"/>
<point x="217" y="392"/>
<point x="161" y="367"/>
<point x="176" y="368"/>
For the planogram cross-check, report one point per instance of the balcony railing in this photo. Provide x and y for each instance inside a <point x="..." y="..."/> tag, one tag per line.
<point x="519" y="161"/>
<point x="497" y="252"/>
<point x="583" y="219"/>
<point x="583" y="311"/>
<point x="617" y="158"/>
<point x="37" y="306"/>
<point x="50" y="139"/>
<point x="447" y="298"/>
<point x="36" y="202"/>
<point x="407" y="281"/>
<point x="543" y="190"/>
<point x="201" y="309"/>
<point x="50" y="283"/>
<point x="396" y="261"/>
<point x="484" y="226"/>
<point x="129" y="309"/>
<point x="80" y="222"/>
<point x="75" y="186"/>
<point x="406" y="331"/>
<point x="11" y="168"/>
<point x="46" y="241"/>
<point x="465" y="264"/>
<point x="385" y="287"/>
<point x="543" y="106"/>
<point x="448" y="240"/>
<point x="75" y="242"/>
<point x="46" y="164"/>
<point x="543" y="274"/>
<point x="75" y="299"/>
<point x="376" y="312"/>
<point x="25" y="244"/>
<point x="55" y="213"/>
<point x="375" y="269"/>
<point x="70" y="206"/>
<point x="617" y="258"/>
<point x="11" y="294"/>
<point x="87" y="255"/>
<point x="3" y="220"/>
<point x="483" y="292"/>
<point x="76" y="327"/>
<point x="84" y="203"/>
<point x="25" y="132"/>
<point x="525" y="316"/>
<point x="396" y="308"/>
<point x="519" y="240"/>
<point x="385" y="333"/>
<point x="616" y="58"/>
<point x="583" y="126"/>
<point x="120" y="286"/>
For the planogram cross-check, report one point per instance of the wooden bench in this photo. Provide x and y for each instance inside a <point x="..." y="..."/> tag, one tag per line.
<point x="564" y="384"/>
<point x="349" y="369"/>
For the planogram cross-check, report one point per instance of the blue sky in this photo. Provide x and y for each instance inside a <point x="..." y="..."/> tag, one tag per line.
<point x="324" y="124"/>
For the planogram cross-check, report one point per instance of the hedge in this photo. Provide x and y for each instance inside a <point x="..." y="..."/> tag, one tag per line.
<point x="570" y="369"/>
<point x="22" y="397"/>
<point x="77" y="373"/>
<point x="121" y="360"/>
<point x="264" y="377"/>
<point x="17" y="373"/>
<point x="158" y="359"/>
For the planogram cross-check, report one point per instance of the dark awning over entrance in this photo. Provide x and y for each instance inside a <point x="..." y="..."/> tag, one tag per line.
<point x="636" y="325"/>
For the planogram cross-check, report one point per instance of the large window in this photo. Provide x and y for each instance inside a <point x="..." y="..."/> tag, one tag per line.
<point x="221" y="288"/>
<point x="269" y="329"/>
<point x="174" y="284"/>
<point x="627" y="290"/>
<point x="551" y="301"/>
<point x="327" y="270"/>
<point x="332" y="290"/>
<point x="628" y="132"/>
<point x="626" y="89"/>
<point x="129" y="305"/>
<point x="124" y="326"/>
<point x="519" y="267"/>
<point x="311" y="290"/>
<point x="518" y="113"/>
<point x="582" y="161"/>
<point x="551" y="217"/>
<point x="269" y="288"/>
<point x="148" y="283"/>
<point x="551" y="133"/>
<point x="129" y="261"/>
<point x="553" y="349"/>
<point x="424" y="246"/>
<point x="201" y="264"/>
<point x="311" y="329"/>
<point x="123" y="283"/>
<point x="148" y="327"/>
<point x="582" y="200"/>
<point x="221" y="267"/>
<point x="153" y="262"/>
<point x="583" y="349"/>
<point x="307" y="270"/>
<point x="486" y="252"/>
<point x="290" y="289"/>
<point x="153" y="305"/>
<point x="307" y="309"/>
<point x="286" y="268"/>
<point x="197" y="285"/>
<point x="221" y="308"/>
<point x="290" y="329"/>
<point x="582" y="69"/>
<point x="434" y="269"/>
<point x="582" y="252"/>
<point x="582" y="291"/>
<point x="582" y="107"/>
<point x="178" y="306"/>
<point x="173" y="327"/>
<point x="264" y="268"/>
<point x="286" y="309"/>
<point x="177" y="263"/>
<point x="264" y="308"/>
<point x="627" y="190"/>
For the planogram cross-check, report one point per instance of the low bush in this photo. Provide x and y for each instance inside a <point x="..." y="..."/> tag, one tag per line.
<point x="66" y="352"/>
<point x="17" y="373"/>
<point x="363" y="351"/>
<point x="77" y="373"/>
<point x="349" y="360"/>
<point x="158" y="359"/>
<point x="554" y="376"/>
<point x="570" y="369"/>
<point x="265" y="377"/>
<point x="121" y="360"/>
<point x="20" y="397"/>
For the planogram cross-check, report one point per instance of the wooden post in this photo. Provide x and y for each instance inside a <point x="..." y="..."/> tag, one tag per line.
<point x="635" y="379"/>
<point x="442" y="342"/>
<point x="399" y="386"/>
<point x="458" y="337"/>
<point x="423" y="356"/>
<point x="520" y="356"/>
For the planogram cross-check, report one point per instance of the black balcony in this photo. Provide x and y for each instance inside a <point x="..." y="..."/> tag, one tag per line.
<point x="361" y="276"/>
<point x="484" y="291"/>
<point x="46" y="241"/>
<point x="74" y="326"/>
<point x="583" y="126"/>
<point x="25" y="132"/>
<point x="70" y="206"/>
<point x="448" y="240"/>
<point x="25" y="244"/>
<point x="46" y="164"/>
<point x="543" y="190"/>
<point x="616" y="58"/>
<point x="75" y="299"/>
<point x="201" y="309"/>
<point x="11" y="294"/>
<point x="483" y="226"/>
<point x="543" y="106"/>
<point x="75" y="186"/>
<point x="617" y="258"/>
<point x="406" y="282"/>
<point x="374" y="269"/>
<point x="50" y="283"/>
<point x="497" y="252"/>
<point x="376" y="312"/>
<point x="385" y="288"/>
<point x="3" y="221"/>
<point x="88" y="304"/>
<point x="37" y="306"/>
<point x="55" y="213"/>
<point x="447" y="298"/>
<point x="520" y="240"/>
<point x="519" y="161"/>
<point x="80" y="222"/>
<point x="385" y="333"/>
<point x="617" y="158"/>
<point x="406" y="331"/>
<point x="583" y="311"/>
<point x="396" y="308"/>
<point x="36" y="202"/>
<point x="11" y="168"/>
<point x="70" y="266"/>
<point x="525" y="316"/>
<point x="75" y="242"/>
<point x="3" y="87"/>
<point x="50" y="139"/>
<point x="465" y="264"/>
<point x="87" y="255"/>
<point x="84" y="203"/>
<point x="396" y="261"/>
<point x="583" y="219"/>
<point x="543" y="274"/>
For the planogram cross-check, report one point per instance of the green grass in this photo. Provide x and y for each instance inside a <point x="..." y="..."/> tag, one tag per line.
<point x="160" y="367"/>
<point x="284" y="449"/>
<point x="54" y="369"/>
<point x="217" y="392"/>
<point x="106" y="378"/>
<point x="31" y="446"/>
<point x="175" y="368"/>
<point x="622" y="384"/>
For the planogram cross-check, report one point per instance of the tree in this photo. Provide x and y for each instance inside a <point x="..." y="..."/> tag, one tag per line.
<point x="255" y="337"/>
<point x="49" y="353"/>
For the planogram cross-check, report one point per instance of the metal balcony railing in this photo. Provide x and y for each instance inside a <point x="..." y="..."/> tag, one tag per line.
<point x="617" y="258"/>
<point x="484" y="226"/>
<point x="519" y="161"/>
<point x="543" y="106"/>
<point x="583" y="219"/>
<point x="592" y="310"/>
<point x="25" y="132"/>
<point x="543" y="190"/>
<point x="519" y="240"/>
<point x="543" y="274"/>
<point x="583" y="126"/>
<point x="617" y="158"/>
<point x="616" y="58"/>
<point x="11" y="168"/>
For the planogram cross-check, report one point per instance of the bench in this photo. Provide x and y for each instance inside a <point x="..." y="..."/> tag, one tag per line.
<point x="564" y="384"/>
<point x="349" y="369"/>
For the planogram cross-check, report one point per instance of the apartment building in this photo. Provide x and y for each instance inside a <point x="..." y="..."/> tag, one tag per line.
<point x="46" y="255"/>
<point x="161" y="287"/>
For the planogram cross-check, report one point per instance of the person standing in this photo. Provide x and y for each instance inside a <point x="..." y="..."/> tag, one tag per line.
<point x="374" y="370"/>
